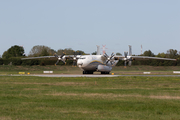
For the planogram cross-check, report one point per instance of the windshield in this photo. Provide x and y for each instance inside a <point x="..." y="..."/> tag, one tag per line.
<point x="82" y="58"/>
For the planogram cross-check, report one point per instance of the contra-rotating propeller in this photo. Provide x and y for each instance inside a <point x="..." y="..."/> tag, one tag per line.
<point x="74" y="59"/>
<point x="125" y="59"/>
<point x="60" y="58"/>
<point x="109" y="58"/>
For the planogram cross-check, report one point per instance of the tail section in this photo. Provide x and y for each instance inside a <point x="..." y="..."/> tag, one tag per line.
<point x="98" y="50"/>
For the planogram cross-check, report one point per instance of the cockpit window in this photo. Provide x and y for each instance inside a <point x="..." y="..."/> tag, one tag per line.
<point x="82" y="58"/>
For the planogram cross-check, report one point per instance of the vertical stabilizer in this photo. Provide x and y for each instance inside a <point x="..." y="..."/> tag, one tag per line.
<point x="98" y="50"/>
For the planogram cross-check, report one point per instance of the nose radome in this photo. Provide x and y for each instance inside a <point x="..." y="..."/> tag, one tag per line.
<point x="79" y="62"/>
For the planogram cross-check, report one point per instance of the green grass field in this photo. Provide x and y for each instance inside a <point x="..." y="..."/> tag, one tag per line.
<point x="118" y="98"/>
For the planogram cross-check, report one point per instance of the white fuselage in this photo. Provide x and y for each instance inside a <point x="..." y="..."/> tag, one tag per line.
<point x="91" y="62"/>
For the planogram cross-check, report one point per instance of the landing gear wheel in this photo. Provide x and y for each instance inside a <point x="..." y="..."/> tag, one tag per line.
<point x="87" y="72"/>
<point x="104" y="72"/>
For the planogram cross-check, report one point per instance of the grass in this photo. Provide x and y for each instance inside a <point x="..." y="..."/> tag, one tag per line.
<point x="124" y="98"/>
<point x="6" y="69"/>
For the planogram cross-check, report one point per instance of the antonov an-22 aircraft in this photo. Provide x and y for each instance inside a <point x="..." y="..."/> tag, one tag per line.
<point x="99" y="63"/>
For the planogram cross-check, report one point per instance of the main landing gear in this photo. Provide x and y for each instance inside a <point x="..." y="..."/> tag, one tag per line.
<point x="91" y="72"/>
<point x="87" y="72"/>
<point x="104" y="72"/>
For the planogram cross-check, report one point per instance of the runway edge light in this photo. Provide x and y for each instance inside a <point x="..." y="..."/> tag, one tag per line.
<point x="21" y="73"/>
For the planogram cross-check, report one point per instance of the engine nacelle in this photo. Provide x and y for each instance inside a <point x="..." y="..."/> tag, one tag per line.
<point x="103" y="68"/>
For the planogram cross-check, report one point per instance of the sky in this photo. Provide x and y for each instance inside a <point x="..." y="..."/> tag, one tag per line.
<point x="83" y="24"/>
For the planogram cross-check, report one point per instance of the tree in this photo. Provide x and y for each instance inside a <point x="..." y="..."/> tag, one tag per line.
<point x="44" y="53"/>
<point x="94" y="53"/>
<point x="67" y="51"/>
<point x="162" y="55"/>
<point x="148" y="53"/>
<point x="118" y="53"/>
<point x="5" y="55"/>
<point x="172" y="53"/>
<point x="80" y="52"/>
<point x="52" y="51"/>
<point x="14" y="51"/>
<point x="41" y="50"/>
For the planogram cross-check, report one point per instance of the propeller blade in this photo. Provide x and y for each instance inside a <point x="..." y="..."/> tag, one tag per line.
<point x="57" y="62"/>
<point x="62" y="55"/>
<point x="56" y="55"/>
<point x="63" y="61"/>
<point x="74" y="58"/>
<point x="112" y="55"/>
<point x="125" y="54"/>
<point x="59" y="58"/>
<point x="130" y="62"/>
<point x="109" y="58"/>
<point x="74" y="63"/>
<point x="111" y="63"/>
<point x="125" y="63"/>
<point x="106" y="55"/>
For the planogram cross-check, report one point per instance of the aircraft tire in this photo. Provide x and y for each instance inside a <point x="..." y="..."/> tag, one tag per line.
<point x="87" y="72"/>
<point x="104" y="72"/>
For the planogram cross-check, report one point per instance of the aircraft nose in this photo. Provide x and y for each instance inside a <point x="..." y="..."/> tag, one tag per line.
<point x="79" y="63"/>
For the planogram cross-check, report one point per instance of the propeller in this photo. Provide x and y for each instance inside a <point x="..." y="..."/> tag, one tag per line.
<point x="125" y="59"/>
<point x="130" y="63"/>
<point x="130" y="54"/>
<point x="109" y="58"/>
<point x="60" y="58"/>
<point x="74" y="59"/>
<point x="125" y="54"/>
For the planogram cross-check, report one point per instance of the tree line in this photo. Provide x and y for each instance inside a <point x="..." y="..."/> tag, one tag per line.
<point x="14" y="54"/>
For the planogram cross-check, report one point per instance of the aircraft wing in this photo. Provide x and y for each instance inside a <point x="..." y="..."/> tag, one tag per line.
<point x="119" y="57"/>
<point x="147" y="58"/>
<point x="140" y="58"/>
<point x="65" y="57"/>
<point x="37" y="57"/>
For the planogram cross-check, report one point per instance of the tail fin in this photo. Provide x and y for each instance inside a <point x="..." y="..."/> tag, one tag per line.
<point x="130" y="50"/>
<point x="98" y="50"/>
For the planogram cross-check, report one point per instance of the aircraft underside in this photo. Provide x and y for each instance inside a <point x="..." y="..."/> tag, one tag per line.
<point x="89" y="69"/>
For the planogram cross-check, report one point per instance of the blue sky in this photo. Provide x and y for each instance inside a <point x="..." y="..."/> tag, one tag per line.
<point x="83" y="24"/>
